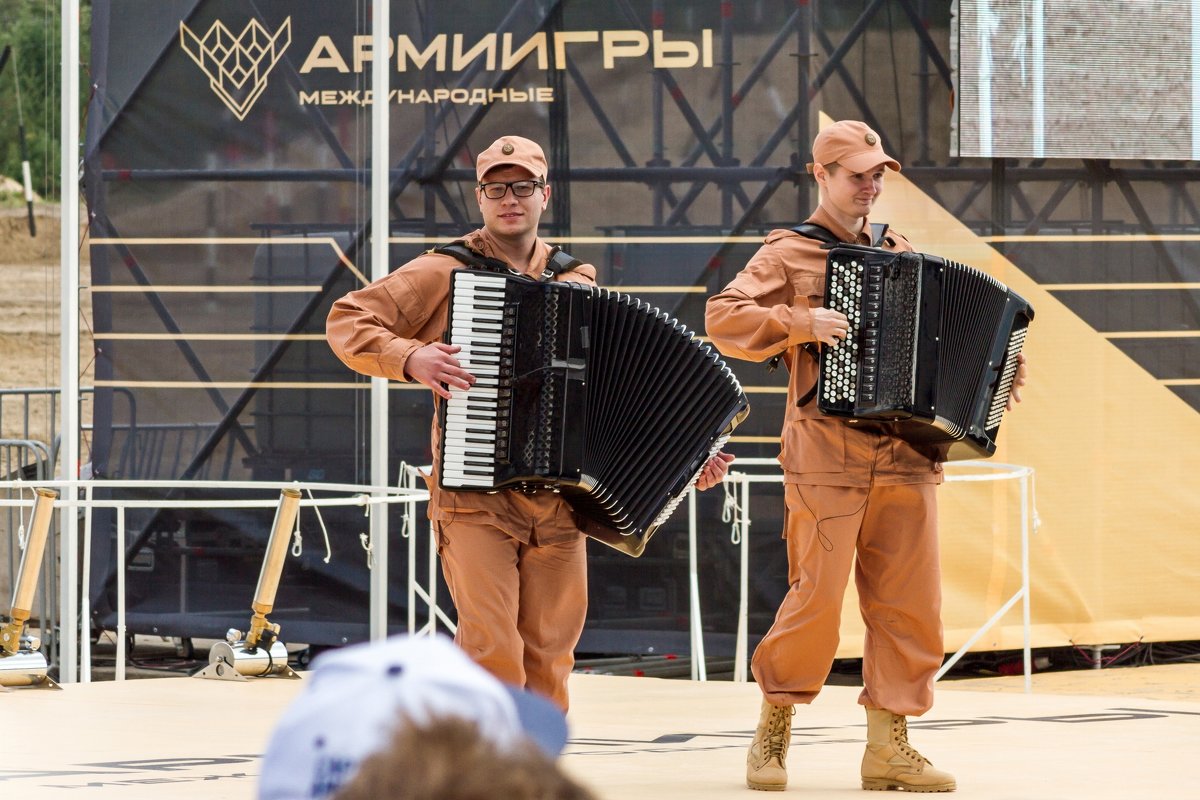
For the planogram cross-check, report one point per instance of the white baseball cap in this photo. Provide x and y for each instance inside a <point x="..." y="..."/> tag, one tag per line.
<point x="356" y="697"/>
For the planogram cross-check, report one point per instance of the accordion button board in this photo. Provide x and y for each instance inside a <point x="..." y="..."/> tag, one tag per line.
<point x="931" y="347"/>
<point x="583" y="391"/>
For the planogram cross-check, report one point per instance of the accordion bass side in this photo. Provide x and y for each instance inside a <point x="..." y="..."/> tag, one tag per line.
<point x="932" y="346"/>
<point x="586" y="392"/>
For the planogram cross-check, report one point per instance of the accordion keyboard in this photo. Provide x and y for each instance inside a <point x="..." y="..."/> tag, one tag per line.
<point x="476" y="418"/>
<point x="585" y="392"/>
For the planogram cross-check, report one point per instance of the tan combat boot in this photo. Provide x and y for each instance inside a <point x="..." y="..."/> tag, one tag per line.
<point x="766" y="763"/>
<point x="892" y="763"/>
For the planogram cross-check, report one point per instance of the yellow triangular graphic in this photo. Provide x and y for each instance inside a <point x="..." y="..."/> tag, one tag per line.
<point x="1116" y="456"/>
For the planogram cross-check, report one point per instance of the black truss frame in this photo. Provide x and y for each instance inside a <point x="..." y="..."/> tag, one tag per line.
<point x="1023" y="196"/>
<point x="427" y="166"/>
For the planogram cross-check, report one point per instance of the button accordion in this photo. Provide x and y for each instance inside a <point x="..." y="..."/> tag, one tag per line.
<point x="583" y="391"/>
<point x="932" y="346"/>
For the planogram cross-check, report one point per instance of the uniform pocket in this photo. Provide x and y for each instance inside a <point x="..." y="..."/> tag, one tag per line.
<point x="814" y="445"/>
<point x="810" y="286"/>
<point x="908" y="458"/>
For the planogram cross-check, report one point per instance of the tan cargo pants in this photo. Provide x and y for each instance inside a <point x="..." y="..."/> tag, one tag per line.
<point x="521" y="607"/>
<point x="888" y="535"/>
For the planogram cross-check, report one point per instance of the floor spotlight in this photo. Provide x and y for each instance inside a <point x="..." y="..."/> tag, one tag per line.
<point x="259" y="653"/>
<point x="21" y="662"/>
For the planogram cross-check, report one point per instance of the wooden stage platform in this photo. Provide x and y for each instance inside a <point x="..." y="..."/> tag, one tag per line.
<point x="1116" y="733"/>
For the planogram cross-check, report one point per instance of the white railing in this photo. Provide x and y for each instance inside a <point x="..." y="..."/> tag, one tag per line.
<point x="738" y="484"/>
<point x="70" y="503"/>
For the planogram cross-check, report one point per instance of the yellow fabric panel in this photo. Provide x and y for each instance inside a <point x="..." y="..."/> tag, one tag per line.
<point x="1116" y="455"/>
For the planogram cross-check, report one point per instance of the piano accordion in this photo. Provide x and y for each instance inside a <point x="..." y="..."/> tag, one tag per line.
<point x="932" y="346"/>
<point x="583" y="391"/>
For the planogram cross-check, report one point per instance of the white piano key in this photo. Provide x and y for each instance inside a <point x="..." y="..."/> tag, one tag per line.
<point x="480" y="359"/>
<point x="480" y="279"/>
<point x="468" y="470"/>
<point x="487" y="392"/>
<point x="471" y="297"/>
<point x="489" y="351"/>
<point x="461" y="435"/>
<point x="455" y="454"/>
<point x="458" y="480"/>
<point x="482" y="403"/>
<point x="483" y="416"/>
<point x="473" y="335"/>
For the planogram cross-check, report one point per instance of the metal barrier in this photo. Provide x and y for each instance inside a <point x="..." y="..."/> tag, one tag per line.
<point x="26" y="404"/>
<point x="30" y="403"/>
<point x="77" y="498"/>
<point x="154" y="449"/>
<point x="737" y="487"/>
<point x="411" y="477"/>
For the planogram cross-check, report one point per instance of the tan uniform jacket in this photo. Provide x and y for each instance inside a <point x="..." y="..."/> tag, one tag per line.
<point x="765" y="311"/>
<point x="375" y="329"/>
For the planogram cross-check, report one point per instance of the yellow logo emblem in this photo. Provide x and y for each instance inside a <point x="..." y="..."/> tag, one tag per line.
<point x="237" y="66"/>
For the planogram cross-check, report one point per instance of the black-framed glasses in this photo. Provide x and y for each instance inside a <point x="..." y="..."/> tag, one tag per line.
<point x="494" y="190"/>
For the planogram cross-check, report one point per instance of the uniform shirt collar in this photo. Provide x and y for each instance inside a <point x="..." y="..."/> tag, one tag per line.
<point x="482" y="241"/>
<point x="826" y="220"/>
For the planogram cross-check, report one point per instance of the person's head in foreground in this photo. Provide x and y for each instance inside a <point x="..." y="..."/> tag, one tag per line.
<point x="449" y="759"/>
<point x="413" y="718"/>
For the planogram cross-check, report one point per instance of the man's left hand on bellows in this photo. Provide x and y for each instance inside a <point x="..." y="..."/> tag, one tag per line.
<point x="714" y="471"/>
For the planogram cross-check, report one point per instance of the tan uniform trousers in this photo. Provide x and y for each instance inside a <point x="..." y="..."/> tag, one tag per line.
<point x="521" y="607"/>
<point x="893" y="531"/>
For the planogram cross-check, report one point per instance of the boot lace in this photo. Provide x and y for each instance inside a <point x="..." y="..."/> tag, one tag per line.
<point x="900" y="738"/>
<point x="779" y="725"/>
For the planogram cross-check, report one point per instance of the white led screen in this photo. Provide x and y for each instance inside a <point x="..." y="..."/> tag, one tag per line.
<point x="1077" y="79"/>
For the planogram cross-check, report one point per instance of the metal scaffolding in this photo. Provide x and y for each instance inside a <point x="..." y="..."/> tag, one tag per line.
<point x="739" y="176"/>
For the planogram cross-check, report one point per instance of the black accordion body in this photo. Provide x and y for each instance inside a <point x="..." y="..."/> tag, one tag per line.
<point x="584" y="391"/>
<point x="932" y="345"/>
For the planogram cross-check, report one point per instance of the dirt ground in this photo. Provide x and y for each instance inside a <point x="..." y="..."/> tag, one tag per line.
<point x="29" y="344"/>
<point x="30" y="321"/>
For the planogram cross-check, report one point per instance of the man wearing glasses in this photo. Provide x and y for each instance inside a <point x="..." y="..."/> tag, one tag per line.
<point x="515" y="562"/>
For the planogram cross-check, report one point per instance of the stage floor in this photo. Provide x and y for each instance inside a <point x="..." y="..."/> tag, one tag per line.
<point x="1114" y="733"/>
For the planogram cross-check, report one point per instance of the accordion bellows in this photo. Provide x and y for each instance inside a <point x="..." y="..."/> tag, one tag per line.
<point x="932" y="346"/>
<point x="584" y="391"/>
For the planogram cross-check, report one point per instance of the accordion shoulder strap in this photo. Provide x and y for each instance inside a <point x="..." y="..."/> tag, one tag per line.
<point x="471" y="258"/>
<point x="812" y="350"/>
<point x="560" y="260"/>
<point x="822" y="234"/>
<point x="878" y="232"/>
<point x="819" y="232"/>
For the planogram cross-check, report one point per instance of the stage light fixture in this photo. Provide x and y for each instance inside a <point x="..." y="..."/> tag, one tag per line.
<point x="258" y="652"/>
<point x="21" y="662"/>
